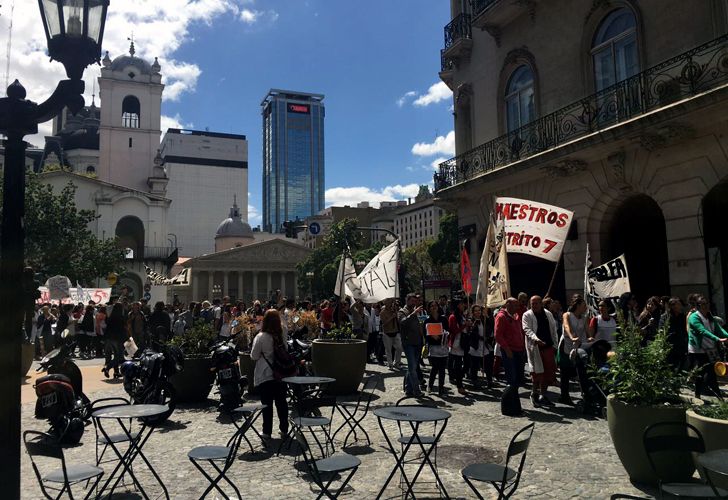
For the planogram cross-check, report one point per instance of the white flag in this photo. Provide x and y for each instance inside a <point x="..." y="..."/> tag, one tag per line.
<point x="345" y="277"/>
<point x="377" y="281"/>
<point x="608" y="281"/>
<point x="493" y="282"/>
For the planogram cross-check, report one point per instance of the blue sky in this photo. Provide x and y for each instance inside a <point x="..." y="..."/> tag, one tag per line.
<point x="388" y="118"/>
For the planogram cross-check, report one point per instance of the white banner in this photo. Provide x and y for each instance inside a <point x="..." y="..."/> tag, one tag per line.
<point x="182" y="279"/>
<point x="493" y="281"/>
<point x="534" y="228"/>
<point x="98" y="295"/>
<point x="377" y="281"/>
<point x="608" y="281"/>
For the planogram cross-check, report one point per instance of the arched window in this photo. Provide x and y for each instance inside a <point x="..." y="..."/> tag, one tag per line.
<point x="91" y="170"/>
<point x="520" y="107"/>
<point x="614" y="49"/>
<point x="130" y="111"/>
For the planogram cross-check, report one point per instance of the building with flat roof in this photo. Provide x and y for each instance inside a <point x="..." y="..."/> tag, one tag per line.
<point x="208" y="171"/>
<point x="293" y="156"/>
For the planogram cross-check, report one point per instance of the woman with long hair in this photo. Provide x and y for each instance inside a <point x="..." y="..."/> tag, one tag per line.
<point x="437" y="345"/>
<point x="270" y="337"/>
<point x="575" y="337"/>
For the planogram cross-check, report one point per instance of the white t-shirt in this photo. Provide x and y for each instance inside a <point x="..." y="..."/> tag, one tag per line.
<point x="261" y="351"/>
<point x="607" y="330"/>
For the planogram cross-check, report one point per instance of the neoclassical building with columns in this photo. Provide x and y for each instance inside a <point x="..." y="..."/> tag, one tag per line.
<point x="246" y="272"/>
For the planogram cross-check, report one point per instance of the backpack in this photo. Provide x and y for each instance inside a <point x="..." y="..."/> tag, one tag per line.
<point x="283" y="364"/>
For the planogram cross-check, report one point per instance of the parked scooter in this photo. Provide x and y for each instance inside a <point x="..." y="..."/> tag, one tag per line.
<point x="61" y="400"/>
<point x="226" y="365"/>
<point x="146" y="378"/>
<point x="301" y="353"/>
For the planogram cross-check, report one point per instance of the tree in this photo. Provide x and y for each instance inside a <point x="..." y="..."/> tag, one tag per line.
<point x="58" y="239"/>
<point x="446" y="248"/>
<point x="420" y="266"/>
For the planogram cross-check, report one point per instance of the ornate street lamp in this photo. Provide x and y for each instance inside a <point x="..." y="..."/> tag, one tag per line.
<point x="74" y="29"/>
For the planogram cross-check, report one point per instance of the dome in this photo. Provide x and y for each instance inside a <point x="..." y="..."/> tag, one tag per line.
<point x="123" y="62"/>
<point x="234" y="226"/>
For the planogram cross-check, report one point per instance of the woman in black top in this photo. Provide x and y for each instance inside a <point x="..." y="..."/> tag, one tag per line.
<point x="160" y="323"/>
<point x="437" y="345"/>
<point x="114" y="337"/>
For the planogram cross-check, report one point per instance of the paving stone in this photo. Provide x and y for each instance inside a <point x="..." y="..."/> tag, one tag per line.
<point x="570" y="456"/>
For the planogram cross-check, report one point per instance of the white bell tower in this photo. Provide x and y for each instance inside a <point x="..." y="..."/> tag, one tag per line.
<point x="131" y="107"/>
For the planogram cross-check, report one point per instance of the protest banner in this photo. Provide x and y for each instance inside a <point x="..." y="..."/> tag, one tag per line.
<point x="534" y="228"/>
<point x="377" y="281"/>
<point x="466" y="274"/>
<point x="98" y="295"/>
<point x="608" y="281"/>
<point x="493" y="281"/>
<point x="58" y="287"/>
<point x="181" y="279"/>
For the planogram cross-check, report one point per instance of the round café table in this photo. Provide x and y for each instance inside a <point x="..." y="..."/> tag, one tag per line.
<point x="122" y="415"/>
<point x="715" y="461"/>
<point x="300" y="390"/>
<point x="414" y="415"/>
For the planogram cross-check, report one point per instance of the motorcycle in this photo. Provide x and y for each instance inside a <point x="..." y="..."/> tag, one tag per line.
<point x="146" y="378"/>
<point x="301" y="353"/>
<point x="226" y="365"/>
<point x="61" y="400"/>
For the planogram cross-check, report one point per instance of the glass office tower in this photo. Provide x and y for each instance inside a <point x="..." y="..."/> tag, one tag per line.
<point x="293" y="157"/>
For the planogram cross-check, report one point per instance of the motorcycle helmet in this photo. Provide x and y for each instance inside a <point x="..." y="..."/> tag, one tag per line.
<point x="129" y="369"/>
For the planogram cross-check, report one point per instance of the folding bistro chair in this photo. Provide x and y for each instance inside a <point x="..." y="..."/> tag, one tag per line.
<point x="355" y="412"/>
<point x="43" y="445"/>
<point x="101" y="442"/>
<point x="216" y="454"/>
<point x="503" y="478"/>
<point x="333" y="466"/>
<point x="677" y="441"/>
<point x="316" y="414"/>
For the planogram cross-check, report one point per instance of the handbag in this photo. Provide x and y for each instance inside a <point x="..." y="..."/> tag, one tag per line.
<point x="130" y="347"/>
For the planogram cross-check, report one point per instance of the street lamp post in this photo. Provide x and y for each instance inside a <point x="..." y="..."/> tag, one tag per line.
<point x="74" y="31"/>
<point x="310" y="275"/>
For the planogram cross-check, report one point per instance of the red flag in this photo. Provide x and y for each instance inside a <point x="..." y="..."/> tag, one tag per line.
<point x="466" y="273"/>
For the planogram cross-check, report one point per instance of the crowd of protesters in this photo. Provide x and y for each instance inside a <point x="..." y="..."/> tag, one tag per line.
<point x="469" y="344"/>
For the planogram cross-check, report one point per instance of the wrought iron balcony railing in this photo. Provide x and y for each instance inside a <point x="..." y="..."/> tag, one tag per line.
<point x="479" y="6"/>
<point x="446" y="63"/>
<point x="457" y="29"/>
<point x="158" y="254"/>
<point x="695" y="71"/>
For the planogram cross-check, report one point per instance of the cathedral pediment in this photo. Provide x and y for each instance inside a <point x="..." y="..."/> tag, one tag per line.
<point x="264" y="253"/>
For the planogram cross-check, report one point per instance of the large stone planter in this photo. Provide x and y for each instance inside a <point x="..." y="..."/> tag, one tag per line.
<point x="715" y="435"/>
<point x="194" y="382"/>
<point x="627" y="423"/>
<point x="343" y="360"/>
<point x="247" y="369"/>
<point x="27" y="353"/>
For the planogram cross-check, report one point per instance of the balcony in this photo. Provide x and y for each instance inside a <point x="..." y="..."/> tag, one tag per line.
<point x="696" y="71"/>
<point x="168" y="255"/>
<point x="447" y="68"/>
<point x="493" y="15"/>
<point x="458" y="38"/>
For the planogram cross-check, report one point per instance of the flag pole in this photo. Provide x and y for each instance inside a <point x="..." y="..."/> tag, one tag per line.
<point x="553" y="276"/>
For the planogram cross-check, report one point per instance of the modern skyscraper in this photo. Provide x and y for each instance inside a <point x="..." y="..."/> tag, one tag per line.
<point x="293" y="156"/>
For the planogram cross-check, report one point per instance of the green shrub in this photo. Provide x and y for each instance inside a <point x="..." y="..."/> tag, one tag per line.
<point x="342" y="333"/>
<point x="641" y="375"/>
<point x="196" y="341"/>
<point x="718" y="410"/>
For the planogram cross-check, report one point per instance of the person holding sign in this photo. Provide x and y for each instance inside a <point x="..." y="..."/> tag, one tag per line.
<point x="435" y="326"/>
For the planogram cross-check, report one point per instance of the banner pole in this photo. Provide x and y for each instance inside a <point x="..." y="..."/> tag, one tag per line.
<point x="553" y="276"/>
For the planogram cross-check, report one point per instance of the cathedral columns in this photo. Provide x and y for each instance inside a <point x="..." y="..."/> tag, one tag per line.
<point x="255" y="285"/>
<point x="225" y="283"/>
<point x="240" y="286"/>
<point x="269" y="275"/>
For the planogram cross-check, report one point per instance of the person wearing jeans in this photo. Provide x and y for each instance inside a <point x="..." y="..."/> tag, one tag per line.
<point x="438" y="347"/>
<point x="509" y="335"/>
<point x="271" y="389"/>
<point x="409" y="325"/>
<point x="390" y="334"/>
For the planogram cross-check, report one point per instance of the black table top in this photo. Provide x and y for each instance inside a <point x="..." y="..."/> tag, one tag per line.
<point x="716" y="460"/>
<point x="412" y="413"/>
<point x="308" y="380"/>
<point x="130" y="411"/>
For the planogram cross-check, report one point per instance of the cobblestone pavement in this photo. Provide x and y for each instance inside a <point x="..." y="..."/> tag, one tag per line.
<point x="570" y="456"/>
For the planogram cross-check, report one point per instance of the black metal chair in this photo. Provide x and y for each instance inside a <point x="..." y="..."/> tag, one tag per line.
<point x="216" y="454"/>
<point x="677" y="441"/>
<point x="331" y="466"/>
<point x="503" y="478"/>
<point x="101" y="441"/>
<point x="313" y="415"/>
<point x="354" y="412"/>
<point x="44" y="445"/>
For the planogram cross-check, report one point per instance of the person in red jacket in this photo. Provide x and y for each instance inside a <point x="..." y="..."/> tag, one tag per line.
<point x="509" y="334"/>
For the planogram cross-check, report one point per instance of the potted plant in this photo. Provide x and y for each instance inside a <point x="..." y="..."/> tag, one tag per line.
<point x="194" y="382"/>
<point x="342" y="356"/>
<point x="712" y="422"/>
<point x="644" y="389"/>
<point x="27" y="354"/>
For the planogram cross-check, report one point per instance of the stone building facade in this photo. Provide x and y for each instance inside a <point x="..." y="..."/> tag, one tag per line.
<point x="615" y="109"/>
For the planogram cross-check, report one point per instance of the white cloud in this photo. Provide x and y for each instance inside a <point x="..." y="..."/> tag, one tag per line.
<point x="442" y="145"/>
<point x="252" y="16"/>
<point x="174" y="122"/>
<point x="254" y="217"/>
<point x="159" y="27"/>
<point x="407" y="96"/>
<point x="436" y="93"/>
<point x="340" y="196"/>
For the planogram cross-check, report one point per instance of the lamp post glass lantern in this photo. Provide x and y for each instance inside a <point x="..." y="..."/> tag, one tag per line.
<point x="74" y="30"/>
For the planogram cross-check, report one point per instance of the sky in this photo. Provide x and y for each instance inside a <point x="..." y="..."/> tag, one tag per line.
<point x="388" y="116"/>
